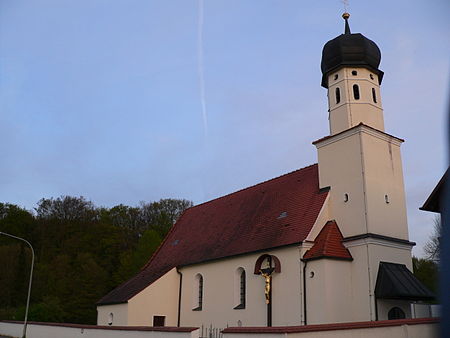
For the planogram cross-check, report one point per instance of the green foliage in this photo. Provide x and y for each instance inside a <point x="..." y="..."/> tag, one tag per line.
<point x="427" y="272"/>
<point x="49" y="310"/>
<point x="82" y="252"/>
<point x="132" y="261"/>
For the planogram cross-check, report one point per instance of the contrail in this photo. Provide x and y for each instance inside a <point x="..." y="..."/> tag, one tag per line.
<point x="201" y="76"/>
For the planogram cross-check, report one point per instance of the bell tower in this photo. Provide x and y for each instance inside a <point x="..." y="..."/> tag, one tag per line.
<point x="359" y="161"/>
<point x="351" y="75"/>
<point x="361" y="165"/>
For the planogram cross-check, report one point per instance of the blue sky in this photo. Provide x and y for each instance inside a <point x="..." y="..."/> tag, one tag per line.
<point x="102" y="99"/>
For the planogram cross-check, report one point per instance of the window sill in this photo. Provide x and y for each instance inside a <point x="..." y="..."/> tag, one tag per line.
<point x="199" y="308"/>
<point x="239" y="307"/>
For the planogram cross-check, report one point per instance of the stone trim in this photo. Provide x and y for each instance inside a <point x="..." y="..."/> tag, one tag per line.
<point x="331" y="327"/>
<point x="103" y="327"/>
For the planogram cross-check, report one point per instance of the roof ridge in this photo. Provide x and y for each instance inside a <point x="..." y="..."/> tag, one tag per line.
<point x="325" y="246"/>
<point x="163" y="241"/>
<point x="252" y="186"/>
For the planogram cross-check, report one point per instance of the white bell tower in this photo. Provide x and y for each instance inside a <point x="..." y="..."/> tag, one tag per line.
<point x="354" y="98"/>
<point x="354" y="86"/>
<point x="359" y="161"/>
<point x="361" y="165"/>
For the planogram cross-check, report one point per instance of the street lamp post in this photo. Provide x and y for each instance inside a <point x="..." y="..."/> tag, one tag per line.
<point x="31" y="279"/>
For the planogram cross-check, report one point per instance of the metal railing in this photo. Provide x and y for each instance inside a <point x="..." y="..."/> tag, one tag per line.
<point x="210" y="332"/>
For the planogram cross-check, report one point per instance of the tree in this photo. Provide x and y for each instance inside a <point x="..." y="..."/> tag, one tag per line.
<point x="431" y="248"/>
<point x="132" y="261"/>
<point x="161" y="215"/>
<point x="15" y="220"/>
<point x="67" y="208"/>
<point x="82" y="252"/>
<point x="427" y="272"/>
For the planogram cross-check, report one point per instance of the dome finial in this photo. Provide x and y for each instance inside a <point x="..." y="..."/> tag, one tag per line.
<point x="347" y="26"/>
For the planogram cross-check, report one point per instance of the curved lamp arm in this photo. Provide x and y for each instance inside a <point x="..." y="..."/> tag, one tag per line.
<point x="31" y="279"/>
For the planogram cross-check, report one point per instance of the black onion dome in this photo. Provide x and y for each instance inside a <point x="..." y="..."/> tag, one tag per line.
<point x="349" y="50"/>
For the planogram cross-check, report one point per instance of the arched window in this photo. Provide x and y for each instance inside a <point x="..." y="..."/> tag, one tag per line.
<point x="338" y="95"/>
<point x="396" y="313"/>
<point x="198" y="293"/>
<point x="356" y="92"/>
<point x="374" y="95"/>
<point x="110" y="318"/>
<point x="240" y="289"/>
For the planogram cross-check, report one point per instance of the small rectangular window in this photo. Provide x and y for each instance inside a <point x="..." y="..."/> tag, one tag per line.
<point x="159" y="320"/>
<point x="374" y="95"/>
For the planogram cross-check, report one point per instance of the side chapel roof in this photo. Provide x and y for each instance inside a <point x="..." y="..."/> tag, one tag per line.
<point x="328" y="244"/>
<point x="271" y="214"/>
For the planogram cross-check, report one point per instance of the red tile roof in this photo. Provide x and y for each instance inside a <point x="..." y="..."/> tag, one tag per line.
<point x="271" y="214"/>
<point x="328" y="244"/>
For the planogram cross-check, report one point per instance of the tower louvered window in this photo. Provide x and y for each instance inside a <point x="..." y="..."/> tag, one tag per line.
<point x="356" y="92"/>
<point x="374" y="95"/>
<point x="338" y="95"/>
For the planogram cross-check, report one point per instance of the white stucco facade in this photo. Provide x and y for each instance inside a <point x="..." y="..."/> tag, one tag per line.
<point x="158" y="299"/>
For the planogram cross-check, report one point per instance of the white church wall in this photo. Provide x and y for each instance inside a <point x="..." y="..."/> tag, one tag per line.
<point x="116" y="314"/>
<point x="383" y="251"/>
<point x="385" y="194"/>
<point x="328" y="288"/>
<point x="360" y="308"/>
<point x="363" y="168"/>
<point x="340" y="167"/>
<point x="219" y="288"/>
<point x="158" y="299"/>
<point x="367" y="254"/>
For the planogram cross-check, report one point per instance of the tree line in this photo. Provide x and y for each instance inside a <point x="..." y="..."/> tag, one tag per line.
<point x="82" y="252"/>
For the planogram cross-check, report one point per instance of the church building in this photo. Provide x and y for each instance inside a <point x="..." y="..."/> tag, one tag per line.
<point x="327" y="243"/>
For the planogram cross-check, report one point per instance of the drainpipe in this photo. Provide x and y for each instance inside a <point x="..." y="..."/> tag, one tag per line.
<point x="179" y="298"/>
<point x="376" y="308"/>
<point x="304" y="291"/>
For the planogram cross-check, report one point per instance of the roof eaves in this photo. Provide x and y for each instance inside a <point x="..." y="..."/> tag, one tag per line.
<point x="355" y="127"/>
<point x="337" y="258"/>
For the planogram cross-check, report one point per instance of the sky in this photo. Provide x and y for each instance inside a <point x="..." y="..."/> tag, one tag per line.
<point x="136" y="100"/>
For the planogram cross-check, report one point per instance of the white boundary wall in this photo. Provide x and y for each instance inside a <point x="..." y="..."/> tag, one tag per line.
<point x="51" y="330"/>
<point x="409" y="328"/>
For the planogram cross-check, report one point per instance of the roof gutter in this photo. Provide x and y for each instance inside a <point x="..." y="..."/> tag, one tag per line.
<point x="110" y="303"/>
